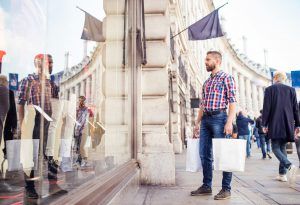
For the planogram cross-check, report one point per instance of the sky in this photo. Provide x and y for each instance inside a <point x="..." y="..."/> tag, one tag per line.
<point x="273" y="25"/>
<point x="28" y="27"/>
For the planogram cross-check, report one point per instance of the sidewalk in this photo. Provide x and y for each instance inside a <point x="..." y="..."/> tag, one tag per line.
<point x="255" y="186"/>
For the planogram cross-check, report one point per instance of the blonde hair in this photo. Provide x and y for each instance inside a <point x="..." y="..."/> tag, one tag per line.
<point x="3" y="80"/>
<point x="279" y="76"/>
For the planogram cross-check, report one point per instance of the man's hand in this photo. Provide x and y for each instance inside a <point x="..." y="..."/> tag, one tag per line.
<point x="228" y="128"/>
<point x="265" y="130"/>
<point x="196" y="131"/>
<point x="297" y="133"/>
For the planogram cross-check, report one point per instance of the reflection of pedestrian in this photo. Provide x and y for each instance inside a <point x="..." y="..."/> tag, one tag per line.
<point x="11" y="121"/>
<point x="4" y="102"/>
<point x="82" y="130"/>
<point x="4" y="107"/>
<point x="279" y="119"/>
<point x="218" y="92"/>
<point x="242" y="123"/>
<point x="30" y="92"/>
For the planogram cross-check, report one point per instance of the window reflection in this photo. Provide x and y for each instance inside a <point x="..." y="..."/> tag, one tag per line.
<point x="65" y="117"/>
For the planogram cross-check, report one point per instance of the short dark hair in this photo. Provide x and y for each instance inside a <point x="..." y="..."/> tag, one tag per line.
<point x="82" y="97"/>
<point x="215" y="53"/>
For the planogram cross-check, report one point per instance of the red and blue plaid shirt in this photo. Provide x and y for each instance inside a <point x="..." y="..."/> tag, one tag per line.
<point x="34" y="92"/>
<point x="218" y="91"/>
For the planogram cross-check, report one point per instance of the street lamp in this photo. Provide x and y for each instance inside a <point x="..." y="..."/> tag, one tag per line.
<point x="2" y="53"/>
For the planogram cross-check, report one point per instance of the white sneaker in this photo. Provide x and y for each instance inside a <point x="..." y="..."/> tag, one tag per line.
<point x="281" y="178"/>
<point x="85" y="163"/>
<point x="292" y="175"/>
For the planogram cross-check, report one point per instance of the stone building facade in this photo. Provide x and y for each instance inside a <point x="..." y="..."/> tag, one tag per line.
<point x="160" y="90"/>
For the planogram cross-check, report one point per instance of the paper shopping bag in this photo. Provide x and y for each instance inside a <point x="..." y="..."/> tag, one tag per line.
<point x="193" y="162"/>
<point x="13" y="148"/>
<point x="229" y="154"/>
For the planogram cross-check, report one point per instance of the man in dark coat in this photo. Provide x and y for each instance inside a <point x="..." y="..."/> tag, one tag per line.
<point x="280" y="120"/>
<point x="4" y="102"/>
<point x="11" y="122"/>
<point x="4" y="109"/>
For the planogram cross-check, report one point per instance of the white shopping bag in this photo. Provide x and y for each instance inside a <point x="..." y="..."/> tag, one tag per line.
<point x="65" y="147"/>
<point x="29" y="153"/>
<point x="88" y="142"/>
<point x="13" y="148"/>
<point x="229" y="154"/>
<point x="193" y="161"/>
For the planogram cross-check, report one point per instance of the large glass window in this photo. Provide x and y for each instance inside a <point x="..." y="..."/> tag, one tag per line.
<point x="65" y="107"/>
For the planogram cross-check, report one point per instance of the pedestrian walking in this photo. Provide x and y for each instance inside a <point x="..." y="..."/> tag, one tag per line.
<point x="82" y="130"/>
<point x="297" y="141"/>
<point x="30" y="93"/>
<point x="218" y="93"/>
<point x="242" y="123"/>
<point x="265" y="141"/>
<point x="280" y="120"/>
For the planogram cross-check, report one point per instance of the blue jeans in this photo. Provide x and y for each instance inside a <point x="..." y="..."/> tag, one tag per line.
<point x="248" y="145"/>
<point x="212" y="127"/>
<point x="279" y="150"/>
<point x="258" y="141"/>
<point x="263" y="142"/>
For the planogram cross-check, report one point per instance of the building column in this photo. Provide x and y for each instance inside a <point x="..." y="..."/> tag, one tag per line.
<point x="77" y="91"/>
<point x="236" y="79"/>
<point x="93" y="88"/>
<point x="248" y="96"/>
<point x="260" y="97"/>
<point x="82" y="88"/>
<point x="154" y="150"/>
<point x="255" y="99"/>
<point x="242" y="91"/>
<point x="88" y="89"/>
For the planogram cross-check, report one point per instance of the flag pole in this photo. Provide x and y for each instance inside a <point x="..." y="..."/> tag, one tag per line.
<point x="85" y="11"/>
<point x="80" y="9"/>
<point x="192" y="24"/>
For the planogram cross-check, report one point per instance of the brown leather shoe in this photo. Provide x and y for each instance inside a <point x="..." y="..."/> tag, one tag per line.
<point x="203" y="190"/>
<point x="223" y="194"/>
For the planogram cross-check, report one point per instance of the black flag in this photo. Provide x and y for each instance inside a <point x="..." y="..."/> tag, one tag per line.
<point x="206" y="28"/>
<point x="92" y="29"/>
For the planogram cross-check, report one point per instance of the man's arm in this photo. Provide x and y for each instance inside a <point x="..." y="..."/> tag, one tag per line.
<point x="231" y="114"/>
<point x="231" y="95"/>
<point x="199" y="117"/>
<point x="197" y="123"/>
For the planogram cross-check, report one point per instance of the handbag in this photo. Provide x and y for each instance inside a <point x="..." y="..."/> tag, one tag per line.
<point x="229" y="154"/>
<point x="193" y="161"/>
<point x="13" y="150"/>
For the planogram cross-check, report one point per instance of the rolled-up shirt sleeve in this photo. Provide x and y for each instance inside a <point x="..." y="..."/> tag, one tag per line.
<point x="230" y="89"/>
<point x="22" y="92"/>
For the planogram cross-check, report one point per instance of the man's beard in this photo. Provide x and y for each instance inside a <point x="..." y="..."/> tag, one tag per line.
<point x="81" y="104"/>
<point x="210" y="68"/>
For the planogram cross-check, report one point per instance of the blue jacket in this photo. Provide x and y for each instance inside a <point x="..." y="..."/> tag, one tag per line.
<point x="242" y="124"/>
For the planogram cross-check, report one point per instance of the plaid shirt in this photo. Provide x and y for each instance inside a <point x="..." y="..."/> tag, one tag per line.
<point x="34" y="92"/>
<point x="82" y="115"/>
<point x="218" y="90"/>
